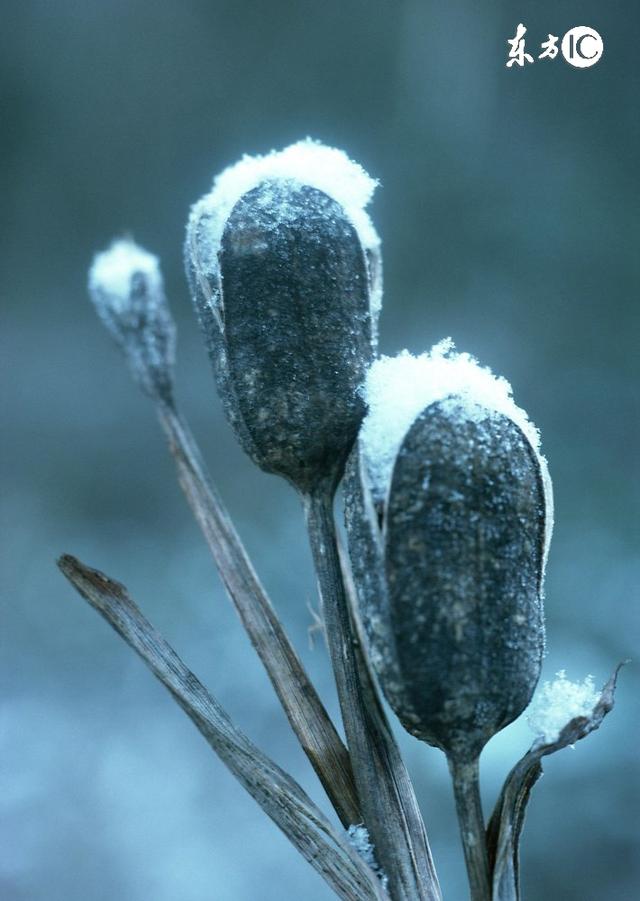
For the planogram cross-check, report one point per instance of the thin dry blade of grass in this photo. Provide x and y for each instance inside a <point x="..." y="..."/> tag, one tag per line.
<point x="299" y="699"/>
<point x="277" y="793"/>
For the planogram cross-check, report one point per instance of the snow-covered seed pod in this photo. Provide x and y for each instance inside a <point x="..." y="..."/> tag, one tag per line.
<point x="449" y="513"/>
<point x="127" y="290"/>
<point x="282" y="261"/>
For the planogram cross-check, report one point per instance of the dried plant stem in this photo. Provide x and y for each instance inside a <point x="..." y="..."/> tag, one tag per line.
<point x="299" y="699"/>
<point x="379" y="777"/>
<point x="466" y="789"/>
<point x="275" y="791"/>
<point x="415" y="833"/>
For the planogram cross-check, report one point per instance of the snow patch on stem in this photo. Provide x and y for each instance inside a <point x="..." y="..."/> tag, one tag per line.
<point x="359" y="839"/>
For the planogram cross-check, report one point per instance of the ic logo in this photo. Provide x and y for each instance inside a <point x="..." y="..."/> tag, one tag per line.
<point x="582" y="47"/>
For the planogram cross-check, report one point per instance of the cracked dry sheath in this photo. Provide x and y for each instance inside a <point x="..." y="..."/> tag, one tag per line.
<point x="286" y="315"/>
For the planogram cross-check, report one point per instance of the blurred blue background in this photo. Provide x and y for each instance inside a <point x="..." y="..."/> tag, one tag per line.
<point x="508" y="212"/>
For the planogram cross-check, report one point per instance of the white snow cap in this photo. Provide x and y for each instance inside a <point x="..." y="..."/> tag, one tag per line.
<point x="306" y="162"/>
<point x="558" y="702"/>
<point x="397" y="389"/>
<point x="112" y="270"/>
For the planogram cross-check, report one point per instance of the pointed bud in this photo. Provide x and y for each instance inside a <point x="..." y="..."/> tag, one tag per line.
<point x="126" y="287"/>
<point x="449" y="509"/>
<point x="284" y="269"/>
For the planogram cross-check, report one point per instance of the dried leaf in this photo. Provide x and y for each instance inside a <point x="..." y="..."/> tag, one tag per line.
<point x="329" y="852"/>
<point x="505" y="826"/>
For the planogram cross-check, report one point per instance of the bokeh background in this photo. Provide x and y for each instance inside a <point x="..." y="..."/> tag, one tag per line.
<point x="508" y="211"/>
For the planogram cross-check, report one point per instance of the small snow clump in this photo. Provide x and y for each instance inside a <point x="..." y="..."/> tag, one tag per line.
<point x="112" y="270"/>
<point x="558" y="702"/>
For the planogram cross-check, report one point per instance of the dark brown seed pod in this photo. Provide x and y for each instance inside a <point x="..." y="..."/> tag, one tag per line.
<point x="285" y="302"/>
<point x="126" y="287"/>
<point x="464" y="561"/>
<point x="449" y="571"/>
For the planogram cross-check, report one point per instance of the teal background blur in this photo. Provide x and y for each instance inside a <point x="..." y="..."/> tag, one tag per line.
<point x="508" y="212"/>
